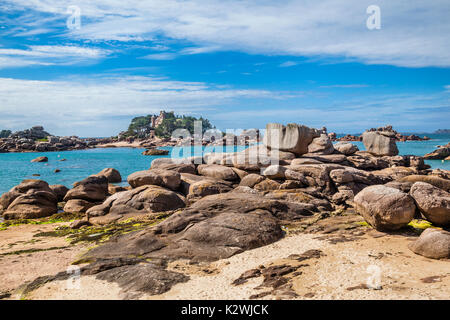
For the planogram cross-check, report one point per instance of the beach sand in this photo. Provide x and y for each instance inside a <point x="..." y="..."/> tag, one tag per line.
<point x="341" y="271"/>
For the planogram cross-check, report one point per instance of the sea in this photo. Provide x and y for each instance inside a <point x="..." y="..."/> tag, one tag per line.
<point x="79" y="164"/>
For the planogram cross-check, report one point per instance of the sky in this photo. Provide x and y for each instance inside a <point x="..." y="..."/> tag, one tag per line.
<point x="88" y="67"/>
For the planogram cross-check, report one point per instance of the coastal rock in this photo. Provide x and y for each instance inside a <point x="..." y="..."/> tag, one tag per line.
<point x="321" y="145"/>
<point x="92" y="189"/>
<point x="251" y="180"/>
<point x="111" y="174"/>
<point x="60" y="191"/>
<point x="434" y="203"/>
<point x="432" y="243"/>
<point x="114" y="189"/>
<point x="263" y="151"/>
<point x="170" y="165"/>
<point x="385" y="208"/>
<point x="29" y="200"/>
<point x="217" y="172"/>
<point x="267" y="185"/>
<point x="366" y="161"/>
<point x="215" y="227"/>
<point x="438" y="154"/>
<point x="434" y="180"/>
<point x="155" y="152"/>
<point x="207" y="187"/>
<point x="346" y="148"/>
<point x="291" y="138"/>
<point x="275" y="172"/>
<point x="141" y="200"/>
<point x="40" y="159"/>
<point x="159" y="177"/>
<point x="380" y="143"/>
<point x="78" y="206"/>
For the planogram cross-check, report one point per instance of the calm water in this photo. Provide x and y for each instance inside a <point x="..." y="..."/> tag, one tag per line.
<point x="14" y="167"/>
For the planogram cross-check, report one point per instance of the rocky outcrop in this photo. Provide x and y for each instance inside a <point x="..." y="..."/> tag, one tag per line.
<point x="40" y="159"/>
<point x="30" y="199"/>
<point x="215" y="227"/>
<point x="439" y="154"/>
<point x="433" y="203"/>
<point x="93" y="190"/>
<point x="159" y="177"/>
<point x="37" y="139"/>
<point x="321" y="145"/>
<point x="380" y="143"/>
<point x="217" y="172"/>
<point x="434" y="180"/>
<point x="60" y="191"/>
<point x="111" y="174"/>
<point x="432" y="243"/>
<point x="385" y="208"/>
<point x="293" y="137"/>
<point x="155" y="152"/>
<point x="141" y="200"/>
<point x="168" y="164"/>
<point x="346" y="148"/>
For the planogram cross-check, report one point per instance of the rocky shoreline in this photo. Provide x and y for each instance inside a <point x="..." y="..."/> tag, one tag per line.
<point x="201" y="211"/>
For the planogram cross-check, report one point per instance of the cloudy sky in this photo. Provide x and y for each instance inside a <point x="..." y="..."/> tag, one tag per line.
<point x="239" y="63"/>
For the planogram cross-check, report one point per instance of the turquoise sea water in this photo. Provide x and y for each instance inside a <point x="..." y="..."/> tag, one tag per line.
<point x="15" y="167"/>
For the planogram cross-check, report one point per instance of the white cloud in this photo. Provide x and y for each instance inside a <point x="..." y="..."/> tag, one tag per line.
<point x="161" y="56"/>
<point x="49" y="55"/>
<point x="288" y="64"/>
<point x="346" y="86"/>
<point x="86" y="106"/>
<point x="413" y="33"/>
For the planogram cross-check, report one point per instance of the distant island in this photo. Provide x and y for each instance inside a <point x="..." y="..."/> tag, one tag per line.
<point x="161" y="126"/>
<point x="442" y="131"/>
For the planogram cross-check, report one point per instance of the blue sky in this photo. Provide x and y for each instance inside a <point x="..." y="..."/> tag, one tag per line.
<point x="241" y="64"/>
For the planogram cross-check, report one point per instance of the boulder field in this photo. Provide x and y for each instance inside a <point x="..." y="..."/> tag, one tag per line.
<point x="223" y="204"/>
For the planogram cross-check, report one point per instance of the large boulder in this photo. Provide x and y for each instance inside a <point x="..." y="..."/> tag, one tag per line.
<point x="60" y="191"/>
<point x="434" y="180"/>
<point x="385" y="208"/>
<point x="141" y="200"/>
<point x="432" y="243"/>
<point x="321" y="145"/>
<point x="346" y="148"/>
<point x="380" y="143"/>
<point x="168" y="164"/>
<point x="438" y="154"/>
<point x="215" y="227"/>
<point x="217" y="172"/>
<point x="31" y="199"/>
<point x="434" y="203"/>
<point x="207" y="187"/>
<point x="93" y="189"/>
<point x="111" y="174"/>
<point x="293" y="137"/>
<point x="78" y="205"/>
<point x="251" y="180"/>
<point x="159" y="177"/>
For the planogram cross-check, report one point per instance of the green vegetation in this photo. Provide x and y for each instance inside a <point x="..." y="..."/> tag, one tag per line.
<point x="5" y="133"/>
<point x="140" y="127"/>
<point x="42" y="140"/>
<point x="59" y="217"/>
